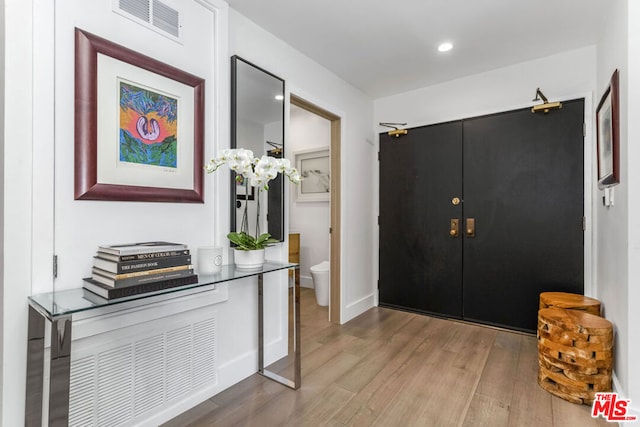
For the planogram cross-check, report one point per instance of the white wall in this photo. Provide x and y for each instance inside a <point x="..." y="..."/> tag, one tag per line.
<point x="311" y="219"/>
<point x="39" y="174"/>
<point x="559" y="76"/>
<point x="17" y="185"/>
<point x="612" y="225"/>
<point x="2" y="97"/>
<point x="100" y="222"/>
<point x="314" y="83"/>
<point x="38" y="182"/>
<point x="633" y="151"/>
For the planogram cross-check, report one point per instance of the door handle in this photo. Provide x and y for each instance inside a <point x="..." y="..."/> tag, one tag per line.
<point x="471" y="227"/>
<point x="454" y="227"/>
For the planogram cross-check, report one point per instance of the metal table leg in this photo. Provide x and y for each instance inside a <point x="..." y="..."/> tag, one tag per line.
<point x="260" y="324"/>
<point x="60" y="371"/>
<point x="295" y="384"/>
<point x="296" y="330"/>
<point x="35" y="369"/>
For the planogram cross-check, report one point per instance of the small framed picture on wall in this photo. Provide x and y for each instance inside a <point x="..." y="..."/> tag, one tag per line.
<point x="608" y="126"/>
<point x="315" y="168"/>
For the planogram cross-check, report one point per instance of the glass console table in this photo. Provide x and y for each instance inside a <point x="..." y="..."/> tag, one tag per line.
<point x="59" y="309"/>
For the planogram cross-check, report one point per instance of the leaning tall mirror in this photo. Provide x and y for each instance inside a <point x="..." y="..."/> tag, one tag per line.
<point x="257" y="124"/>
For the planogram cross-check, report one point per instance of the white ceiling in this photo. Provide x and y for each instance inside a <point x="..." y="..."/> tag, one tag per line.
<point x="388" y="47"/>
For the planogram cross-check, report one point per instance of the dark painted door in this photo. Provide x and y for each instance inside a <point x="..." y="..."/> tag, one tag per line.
<point x="520" y="178"/>
<point x="523" y="185"/>
<point x="275" y="218"/>
<point x="419" y="261"/>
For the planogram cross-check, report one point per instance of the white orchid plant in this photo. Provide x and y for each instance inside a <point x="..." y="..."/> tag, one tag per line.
<point x="256" y="172"/>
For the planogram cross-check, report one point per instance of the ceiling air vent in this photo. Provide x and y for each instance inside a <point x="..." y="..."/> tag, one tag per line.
<point x="166" y="18"/>
<point x="159" y="16"/>
<point x="137" y="8"/>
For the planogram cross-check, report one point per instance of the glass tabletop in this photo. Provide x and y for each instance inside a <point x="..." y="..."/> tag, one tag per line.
<point x="69" y="301"/>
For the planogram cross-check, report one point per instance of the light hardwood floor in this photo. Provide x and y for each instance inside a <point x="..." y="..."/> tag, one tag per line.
<point x="391" y="368"/>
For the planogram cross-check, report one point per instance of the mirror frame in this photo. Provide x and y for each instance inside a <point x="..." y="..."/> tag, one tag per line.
<point x="234" y="144"/>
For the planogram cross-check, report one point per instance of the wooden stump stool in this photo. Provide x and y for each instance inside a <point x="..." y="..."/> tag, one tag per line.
<point x="570" y="301"/>
<point x="575" y="354"/>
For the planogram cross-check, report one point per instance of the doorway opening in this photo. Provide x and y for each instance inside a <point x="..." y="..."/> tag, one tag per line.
<point x="334" y="202"/>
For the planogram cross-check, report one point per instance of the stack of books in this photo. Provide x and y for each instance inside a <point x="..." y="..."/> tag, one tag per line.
<point x="130" y="269"/>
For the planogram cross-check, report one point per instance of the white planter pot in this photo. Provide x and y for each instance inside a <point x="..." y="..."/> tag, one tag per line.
<point x="246" y="260"/>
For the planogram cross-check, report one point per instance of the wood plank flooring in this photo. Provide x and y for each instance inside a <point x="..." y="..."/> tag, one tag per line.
<point x="391" y="368"/>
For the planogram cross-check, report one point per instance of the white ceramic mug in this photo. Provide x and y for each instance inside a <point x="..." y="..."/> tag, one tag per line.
<point x="209" y="259"/>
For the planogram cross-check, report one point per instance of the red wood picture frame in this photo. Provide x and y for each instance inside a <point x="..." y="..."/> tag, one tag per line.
<point x="608" y="135"/>
<point x="87" y="187"/>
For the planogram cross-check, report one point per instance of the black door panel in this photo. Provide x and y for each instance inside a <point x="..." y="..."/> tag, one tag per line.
<point x="523" y="182"/>
<point x="419" y="260"/>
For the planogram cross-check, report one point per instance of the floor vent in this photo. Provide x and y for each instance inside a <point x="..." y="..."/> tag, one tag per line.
<point x="157" y="15"/>
<point x="131" y="380"/>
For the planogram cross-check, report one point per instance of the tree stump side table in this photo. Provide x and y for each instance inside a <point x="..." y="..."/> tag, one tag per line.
<point x="575" y="354"/>
<point x="570" y="301"/>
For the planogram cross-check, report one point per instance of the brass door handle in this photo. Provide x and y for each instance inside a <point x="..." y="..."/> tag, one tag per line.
<point x="471" y="227"/>
<point x="454" y="227"/>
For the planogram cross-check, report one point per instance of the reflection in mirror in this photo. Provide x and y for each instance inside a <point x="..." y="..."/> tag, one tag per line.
<point x="257" y="124"/>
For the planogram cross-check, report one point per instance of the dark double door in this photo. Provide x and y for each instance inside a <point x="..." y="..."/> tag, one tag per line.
<point x="479" y="216"/>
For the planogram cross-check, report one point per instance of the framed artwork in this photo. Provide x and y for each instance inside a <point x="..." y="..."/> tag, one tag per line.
<point x="139" y="126"/>
<point x="608" y="126"/>
<point x="315" y="168"/>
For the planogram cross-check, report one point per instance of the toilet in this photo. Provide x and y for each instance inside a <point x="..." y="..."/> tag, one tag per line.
<point x="320" y="277"/>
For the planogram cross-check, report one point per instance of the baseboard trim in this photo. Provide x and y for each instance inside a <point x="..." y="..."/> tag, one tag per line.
<point x="616" y="385"/>
<point x="306" y="282"/>
<point x="358" y="307"/>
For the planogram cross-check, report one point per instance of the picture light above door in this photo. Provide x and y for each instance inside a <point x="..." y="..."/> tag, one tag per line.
<point x="396" y="131"/>
<point x="546" y="106"/>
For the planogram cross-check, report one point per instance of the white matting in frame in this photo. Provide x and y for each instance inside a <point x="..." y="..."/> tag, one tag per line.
<point x="110" y="169"/>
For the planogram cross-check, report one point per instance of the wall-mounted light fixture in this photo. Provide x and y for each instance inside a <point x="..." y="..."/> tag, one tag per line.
<point x="395" y="132"/>
<point x="546" y="106"/>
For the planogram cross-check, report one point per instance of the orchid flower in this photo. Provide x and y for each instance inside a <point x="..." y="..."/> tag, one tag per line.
<point x="257" y="173"/>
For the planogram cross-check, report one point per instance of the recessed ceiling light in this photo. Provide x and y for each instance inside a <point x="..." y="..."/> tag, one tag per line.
<point x="445" y="47"/>
<point x="279" y="97"/>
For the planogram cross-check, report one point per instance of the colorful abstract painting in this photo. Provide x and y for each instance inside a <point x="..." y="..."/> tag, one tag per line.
<point x="148" y="127"/>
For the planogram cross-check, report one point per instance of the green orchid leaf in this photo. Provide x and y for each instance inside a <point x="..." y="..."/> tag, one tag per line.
<point x="247" y="242"/>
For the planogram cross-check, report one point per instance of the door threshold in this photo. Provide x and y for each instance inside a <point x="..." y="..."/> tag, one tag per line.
<point x="497" y="328"/>
<point x="454" y="319"/>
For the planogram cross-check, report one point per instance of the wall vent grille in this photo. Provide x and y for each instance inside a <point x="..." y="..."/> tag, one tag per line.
<point x="204" y="352"/>
<point x="135" y="377"/>
<point x="166" y="18"/>
<point x="82" y="392"/>
<point x="148" y="374"/>
<point x="178" y="359"/>
<point x="157" y="15"/>
<point x="137" y="8"/>
<point x="115" y="386"/>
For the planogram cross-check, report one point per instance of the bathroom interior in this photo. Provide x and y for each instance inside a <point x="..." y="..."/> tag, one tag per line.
<point x="310" y="218"/>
